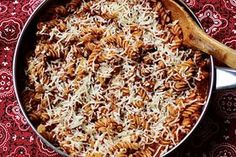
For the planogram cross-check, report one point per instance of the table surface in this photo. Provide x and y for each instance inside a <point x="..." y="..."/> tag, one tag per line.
<point x="215" y="136"/>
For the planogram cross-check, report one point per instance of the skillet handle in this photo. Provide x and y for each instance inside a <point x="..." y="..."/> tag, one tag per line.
<point x="225" y="78"/>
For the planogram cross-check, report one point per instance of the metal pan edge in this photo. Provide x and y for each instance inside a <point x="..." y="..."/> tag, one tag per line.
<point x="15" y="63"/>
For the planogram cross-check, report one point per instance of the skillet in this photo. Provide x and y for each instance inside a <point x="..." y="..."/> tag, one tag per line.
<point x="26" y="43"/>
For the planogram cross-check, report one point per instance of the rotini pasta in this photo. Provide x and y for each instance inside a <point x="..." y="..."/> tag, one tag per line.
<point x="111" y="78"/>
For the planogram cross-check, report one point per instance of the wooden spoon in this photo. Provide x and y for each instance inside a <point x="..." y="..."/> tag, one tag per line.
<point x="195" y="37"/>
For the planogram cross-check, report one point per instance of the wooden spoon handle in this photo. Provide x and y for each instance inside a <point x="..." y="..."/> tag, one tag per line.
<point x="195" y="37"/>
<point x="200" y="40"/>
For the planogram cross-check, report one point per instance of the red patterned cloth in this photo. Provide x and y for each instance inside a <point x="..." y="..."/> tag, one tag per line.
<point x="215" y="136"/>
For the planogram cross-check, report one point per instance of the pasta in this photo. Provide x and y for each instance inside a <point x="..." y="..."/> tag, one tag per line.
<point x="112" y="78"/>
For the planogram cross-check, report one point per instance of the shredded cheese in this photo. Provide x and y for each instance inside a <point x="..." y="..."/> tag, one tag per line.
<point x="132" y="94"/>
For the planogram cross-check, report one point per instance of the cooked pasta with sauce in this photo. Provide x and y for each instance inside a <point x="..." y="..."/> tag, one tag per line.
<point x="111" y="78"/>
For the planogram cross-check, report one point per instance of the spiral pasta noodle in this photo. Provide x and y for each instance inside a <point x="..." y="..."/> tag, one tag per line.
<point x="112" y="78"/>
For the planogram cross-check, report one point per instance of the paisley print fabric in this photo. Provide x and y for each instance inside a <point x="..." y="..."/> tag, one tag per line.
<point x="215" y="136"/>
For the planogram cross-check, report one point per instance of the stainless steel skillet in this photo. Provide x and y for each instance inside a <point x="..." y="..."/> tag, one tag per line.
<point x="219" y="77"/>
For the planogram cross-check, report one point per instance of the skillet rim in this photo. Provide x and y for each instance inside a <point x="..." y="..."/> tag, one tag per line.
<point x="17" y="52"/>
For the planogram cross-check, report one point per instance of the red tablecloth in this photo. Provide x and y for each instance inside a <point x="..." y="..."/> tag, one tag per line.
<point x="216" y="135"/>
